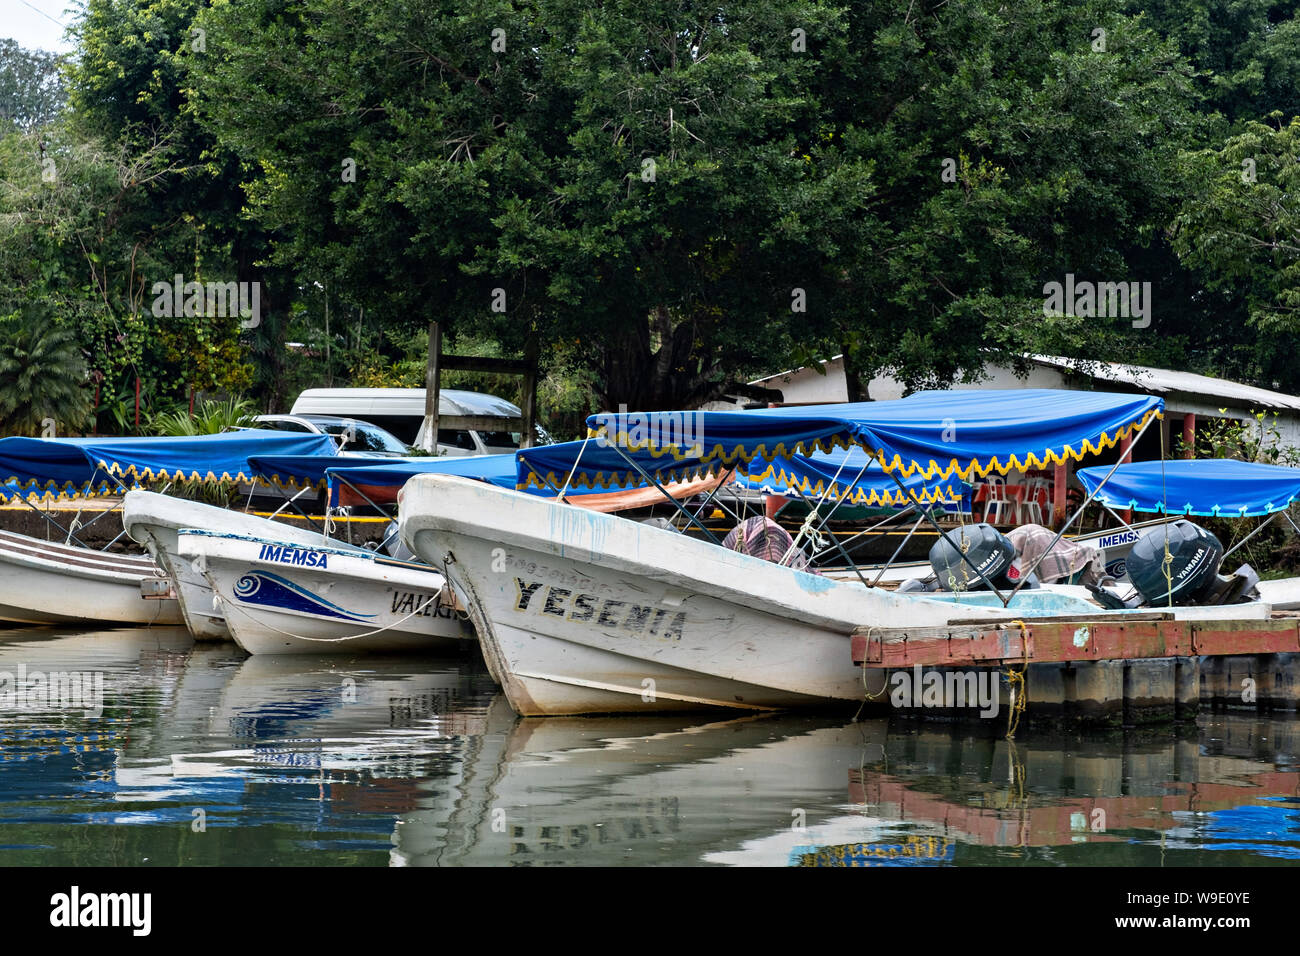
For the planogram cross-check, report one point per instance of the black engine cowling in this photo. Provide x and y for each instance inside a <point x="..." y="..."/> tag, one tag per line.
<point x="1195" y="556"/>
<point x="988" y="550"/>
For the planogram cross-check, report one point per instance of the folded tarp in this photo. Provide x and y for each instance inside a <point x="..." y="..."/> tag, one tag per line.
<point x="77" y="467"/>
<point x="1210" y="487"/>
<point x="937" y="434"/>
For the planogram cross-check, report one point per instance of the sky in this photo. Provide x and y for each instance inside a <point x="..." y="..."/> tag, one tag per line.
<point x="37" y="24"/>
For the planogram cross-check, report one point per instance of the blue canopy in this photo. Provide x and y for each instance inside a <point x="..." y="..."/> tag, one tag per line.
<point x="939" y="434"/>
<point x="221" y="457"/>
<point x="831" y="474"/>
<point x="1211" y="487"/>
<point x="303" y="470"/>
<point x="69" y="467"/>
<point x="37" y="468"/>
<point x="395" y="472"/>
<point x="596" y="467"/>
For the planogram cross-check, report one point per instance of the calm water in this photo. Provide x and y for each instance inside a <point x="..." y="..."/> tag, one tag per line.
<point x="203" y="756"/>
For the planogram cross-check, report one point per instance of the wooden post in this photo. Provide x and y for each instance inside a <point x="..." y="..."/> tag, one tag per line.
<point x="1059" y="500"/>
<point x="1189" y="435"/>
<point x="529" y="436"/>
<point x="431" y="390"/>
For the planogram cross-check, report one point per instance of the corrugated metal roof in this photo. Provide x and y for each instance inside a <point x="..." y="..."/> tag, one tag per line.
<point x="1164" y="381"/>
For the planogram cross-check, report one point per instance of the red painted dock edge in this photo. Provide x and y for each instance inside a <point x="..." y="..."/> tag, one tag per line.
<point x="1059" y="641"/>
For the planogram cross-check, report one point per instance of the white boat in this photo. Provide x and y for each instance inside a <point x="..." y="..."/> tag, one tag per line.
<point x="42" y="582"/>
<point x="583" y="613"/>
<point x="280" y="598"/>
<point x="154" y="520"/>
<point x="592" y="613"/>
<point x="47" y="583"/>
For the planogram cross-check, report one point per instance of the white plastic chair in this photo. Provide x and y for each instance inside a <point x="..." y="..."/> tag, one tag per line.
<point x="1031" y="508"/>
<point x="996" y="500"/>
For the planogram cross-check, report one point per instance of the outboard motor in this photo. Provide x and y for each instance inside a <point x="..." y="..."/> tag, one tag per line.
<point x="1193" y="573"/>
<point x="395" y="547"/>
<point x="987" y="549"/>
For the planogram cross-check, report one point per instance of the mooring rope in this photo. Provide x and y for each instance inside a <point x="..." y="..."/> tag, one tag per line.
<point x="334" y="640"/>
<point x="1016" y="681"/>
<point x="866" y="670"/>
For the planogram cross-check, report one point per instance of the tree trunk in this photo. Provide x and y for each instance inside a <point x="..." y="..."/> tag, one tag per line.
<point x="853" y="376"/>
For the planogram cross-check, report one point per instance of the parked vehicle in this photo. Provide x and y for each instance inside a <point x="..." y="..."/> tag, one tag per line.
<point x="401" y="411"/>
<point x="354" y="435"/>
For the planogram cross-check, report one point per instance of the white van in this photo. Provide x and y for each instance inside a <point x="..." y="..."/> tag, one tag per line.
<point x="401" y="411"/>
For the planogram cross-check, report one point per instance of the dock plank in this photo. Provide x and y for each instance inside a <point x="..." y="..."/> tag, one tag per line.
<point x="1081" y="639"/>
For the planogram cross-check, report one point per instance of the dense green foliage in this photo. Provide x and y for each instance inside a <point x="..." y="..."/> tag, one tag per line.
<point x="668" y="197"/>
<point x="31" y="87"/>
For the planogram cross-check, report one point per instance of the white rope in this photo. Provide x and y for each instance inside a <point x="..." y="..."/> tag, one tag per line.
<point x="333" y="640"/>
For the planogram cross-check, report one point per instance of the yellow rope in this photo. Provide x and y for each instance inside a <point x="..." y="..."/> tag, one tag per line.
<point x="865" y="671"/>
<point x="1016" y="680"/>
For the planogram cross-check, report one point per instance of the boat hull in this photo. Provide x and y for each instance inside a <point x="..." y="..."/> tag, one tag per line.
<point x="581" y="613"/>
<point x="153" y="520"/>
<point x="284" y="599"/>
<point x="46" y="583"/>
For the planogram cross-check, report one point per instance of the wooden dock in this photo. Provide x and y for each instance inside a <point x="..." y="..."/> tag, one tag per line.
<point x="1099" y="669"/>
<point x="1078" y="638"/>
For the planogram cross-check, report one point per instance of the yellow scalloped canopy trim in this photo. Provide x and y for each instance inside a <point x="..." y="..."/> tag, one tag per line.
<point x="162" y="474"/>
<point x="930" y="470"/>
<point x="616" y="480"/>
<point x="946" y="494"/>
<point x="31" y="490"/>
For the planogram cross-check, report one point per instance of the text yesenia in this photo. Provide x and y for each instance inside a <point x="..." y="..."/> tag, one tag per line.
<point x="604" y="613"/>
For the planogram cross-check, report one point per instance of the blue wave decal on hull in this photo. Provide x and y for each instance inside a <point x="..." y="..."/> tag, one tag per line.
<point x="270" y="590"/>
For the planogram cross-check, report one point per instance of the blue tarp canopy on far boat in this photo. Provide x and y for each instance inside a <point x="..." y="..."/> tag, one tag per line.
<point x="221" y="457"/>
<point x="69" y="467"/>
<point x="49" y="467"/>
<point x="395" y="472"/>
<point x="1211" y="487"/>
<point x="938" y="434"/>
<point x="374" y="474"/>
<point x="832" y="474"/>
<point x="590" y="466"/>
<point x="302" y="470"/>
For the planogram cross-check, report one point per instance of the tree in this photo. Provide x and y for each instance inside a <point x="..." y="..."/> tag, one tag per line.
<point x="42" y="377"/>
<point x="31" y="87"/>
<point x="682" y="195"/>
<point x="127" y="91"/>
<point x="1240" y="227"/>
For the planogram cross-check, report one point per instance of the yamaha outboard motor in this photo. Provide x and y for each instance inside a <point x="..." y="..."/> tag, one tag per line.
<point x="395" y="546"/>
<point x="1192" y="575"/>
<point x="988" y="549"/>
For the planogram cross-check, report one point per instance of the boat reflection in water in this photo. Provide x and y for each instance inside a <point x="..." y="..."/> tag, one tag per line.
<point x="773" y="791"/>
<point x="202" y="757"/>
